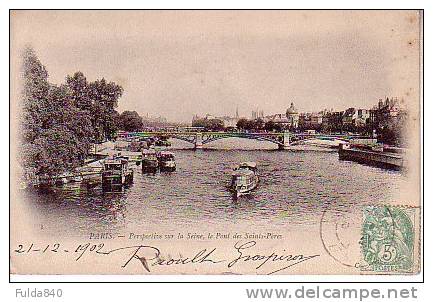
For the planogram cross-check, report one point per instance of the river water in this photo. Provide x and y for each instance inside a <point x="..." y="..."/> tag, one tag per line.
<point x="295" y="187"/>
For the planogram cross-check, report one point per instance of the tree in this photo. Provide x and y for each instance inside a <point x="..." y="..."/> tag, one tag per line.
<point x="80" y="90"/>
<point x="269" y="126"/>
<point x="272" y="126"/>
<point x="215" y="124"/>
<point x="392" y="130"/>
<point x="246" y="124"/>
<point x="258" y="124"/>
<point x="55" y="133"/>
<point x="209" y="124"/>
<point x="243" y="124"/>
<point x="34" y="95"/>
<point x="64" y="143"/>
<point x="104" y="98"/>
<point x="99" y="99"/>
<point x="33" y="113"/>
<point x="130" y="121"/>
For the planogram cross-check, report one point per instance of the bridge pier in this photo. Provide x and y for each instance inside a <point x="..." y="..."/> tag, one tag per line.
<point x="198" y="141"/>
<point x="286" y="141"/>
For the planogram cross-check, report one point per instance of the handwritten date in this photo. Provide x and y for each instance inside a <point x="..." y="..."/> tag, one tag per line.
<point x="150" y="256"/>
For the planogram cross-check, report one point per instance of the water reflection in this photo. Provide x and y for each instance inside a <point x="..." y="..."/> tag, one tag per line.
<point x="78" y="207"/>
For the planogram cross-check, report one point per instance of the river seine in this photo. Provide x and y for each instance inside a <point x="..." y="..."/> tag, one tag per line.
<point x="295" y="188"/>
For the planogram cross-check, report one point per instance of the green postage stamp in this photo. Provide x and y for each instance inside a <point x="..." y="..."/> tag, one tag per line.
<point x="389" y="240"/>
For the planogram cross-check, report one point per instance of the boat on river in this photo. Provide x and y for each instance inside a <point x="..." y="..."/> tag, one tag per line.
<point x="166" y="161"/>
<point x="116" y="174"/>
<point x="244" y="179"/>
<point x="149" y="161"/>
<point x="162" y="143"/>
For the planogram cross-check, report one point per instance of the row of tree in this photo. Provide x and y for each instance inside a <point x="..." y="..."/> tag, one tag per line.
<point x="258" y="125"/>
<point x="242" y="124"/>
<point x="60" y="122"/>
<point x="209" y="124"/>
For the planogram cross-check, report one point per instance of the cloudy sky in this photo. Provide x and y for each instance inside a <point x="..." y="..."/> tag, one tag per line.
<point x="179" y="63"/>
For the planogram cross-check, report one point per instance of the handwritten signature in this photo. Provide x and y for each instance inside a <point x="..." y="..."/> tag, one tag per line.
<point x="150" y="256"/>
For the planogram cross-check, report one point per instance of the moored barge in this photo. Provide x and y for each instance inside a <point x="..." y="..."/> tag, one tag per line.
<point x="375" y="155"/>
<point x="149" y="161"/>
<point x="116" y="174"/>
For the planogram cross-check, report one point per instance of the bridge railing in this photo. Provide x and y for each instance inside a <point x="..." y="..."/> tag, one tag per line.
<point x="234" y="134"/>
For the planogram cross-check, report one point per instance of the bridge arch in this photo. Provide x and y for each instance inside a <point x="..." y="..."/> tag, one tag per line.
<point x="249" y="137"/>
<point x="182" y="138"/>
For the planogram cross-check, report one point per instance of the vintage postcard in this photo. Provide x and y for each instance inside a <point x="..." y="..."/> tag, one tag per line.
<point x="200" y="142"/>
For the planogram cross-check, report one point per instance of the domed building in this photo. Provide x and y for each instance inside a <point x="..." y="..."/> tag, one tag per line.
<point x="292" y="116"/>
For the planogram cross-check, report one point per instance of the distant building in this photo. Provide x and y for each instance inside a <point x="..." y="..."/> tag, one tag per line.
<point x="310" y="120"/>
<point x="348" y="117"/>
<point x="304" y="120"/>
<point x="256" y="114"/>
<point x="292" y="116"/>
<point x="316" y="120"/>
<point x="354" y="119"/>
<point x="361" y="118"/>
<point x="385" y="111"/>
<point x="278" y="118"/>
<point x="332" y="121"/>
<point x="159" y="121"/>
<point x="388" y="121"/>
<point x="288" y="120"/>
<point x="394" y="106"/>
<point x="228" y="121"/>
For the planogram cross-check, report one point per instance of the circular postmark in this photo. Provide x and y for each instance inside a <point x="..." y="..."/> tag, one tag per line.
<point x="340" y="233"/>
<point x="377" y="238"/>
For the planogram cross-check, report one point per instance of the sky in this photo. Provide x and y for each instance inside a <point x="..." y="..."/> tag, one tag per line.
<point x="180" y="63"/>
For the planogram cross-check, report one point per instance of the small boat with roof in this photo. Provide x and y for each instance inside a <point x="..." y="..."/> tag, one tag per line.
<point x="166" y="161"/>
<point x="149" y="161"/>
<point x="244" y="179"/>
